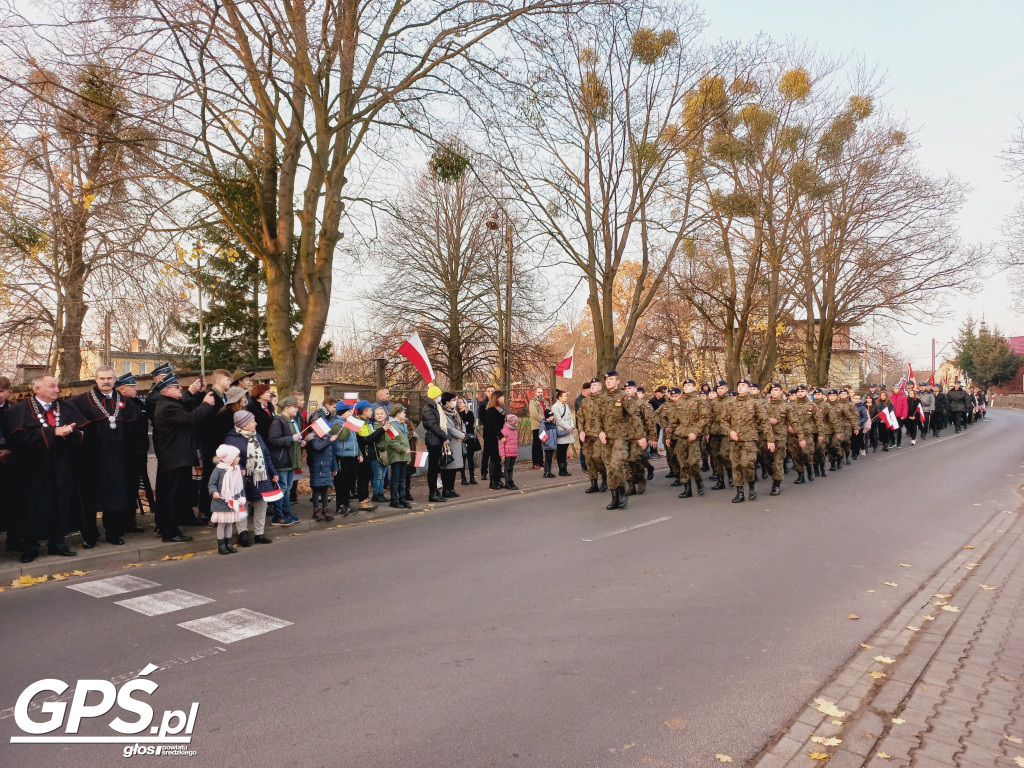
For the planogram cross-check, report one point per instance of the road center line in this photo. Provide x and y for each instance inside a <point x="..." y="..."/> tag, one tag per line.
<point x="627" y="530"/>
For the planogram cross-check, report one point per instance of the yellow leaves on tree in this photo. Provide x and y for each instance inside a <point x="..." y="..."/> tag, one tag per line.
<point x="708" y="101"/>
<point x="860" y="107"/>
<point x="647" y="46"/>
<point x="795" y="85"/>
<point x="594" y="95"/>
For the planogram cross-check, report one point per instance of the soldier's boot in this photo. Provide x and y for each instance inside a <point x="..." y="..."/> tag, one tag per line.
<point x="615" y="499"/>
<point x="719" y="483"/>
<point x="813" y="470"/>
<point x="739" y="495"/>
<point x="832" y="465"/>
<point x="623" y="499"/>
<point x="631" y="489"/>
<point x="677" y="481"/>
<point x="728" y="473"/>
<point x="752" y="494"/>
<point x="650" y="471"/>
<point x="704" y="467"/>
<point x="687" y="493"/>
<point x="641" y="485"/>
<point x="764" y="471"/>
<point x="604" y="482"/>
<point x="563" y="469"/>
<point x="775" y="488"/>
<point x="700" y="484"/>
<point x="593" y="487"/>
<point x="823" y="472"/>
<point x="799" y="479"/>
<point x="810" y="475"/>
<point x="847" y="459"/>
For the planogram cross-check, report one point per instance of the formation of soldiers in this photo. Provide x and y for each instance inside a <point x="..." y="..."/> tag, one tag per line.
<point x="727" y="433"/>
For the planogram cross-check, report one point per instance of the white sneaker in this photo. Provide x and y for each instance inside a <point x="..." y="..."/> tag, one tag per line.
<point x="913" y="442"/>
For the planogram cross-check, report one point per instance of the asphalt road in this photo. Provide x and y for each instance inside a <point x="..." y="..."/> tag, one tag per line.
<point x="527" y="631"/>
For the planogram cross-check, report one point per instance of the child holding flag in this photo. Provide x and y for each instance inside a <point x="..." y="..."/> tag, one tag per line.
<point x="395" y="449"/>
<point x="321" y="461"/>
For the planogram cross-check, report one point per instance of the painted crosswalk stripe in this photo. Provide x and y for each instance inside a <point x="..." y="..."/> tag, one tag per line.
<point x="235" y="625"/>
<point x="164" y="602"/>
<point x="116" y="585"/>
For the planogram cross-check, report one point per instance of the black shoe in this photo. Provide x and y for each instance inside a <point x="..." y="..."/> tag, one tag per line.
<point x="222" y="547"/>
<point x="408" y="497"/>
<point x="700" y="484"/>
<point x="650" y="472"/>
<point x="63" y="550"/>
<point x="472" y="481"/>
<point x="614" y="503"/>
<point x="775" y="491"/>
<point x="135" y="529"/>
<point x="464" y="481"/>
<point x="739" y="495"/>
<point x="799" y="479"/>
<point x="670" y="474"/>
<point x="452" y="494"/>
<point x="395" y="504"/>
<point x="114" y="540"/>
<point x="378" y="497"/>
<point x="676" y="482"/>
<point x="847" y="459"/>
<point x="511" y="487"/>
<point x="623" y="498"/>
<point x="245" y="541"/>
<point x="764" y="473"/>
<point x="30" y="554"/>
<point x="810" y="476"/>
<point x="261" y="539"/>
<point x="719" y="484"/>
<point x="753" y="491"/>
<point x="548" y="474"/>
<point x="630" y="490"/>
<point x="436" y="497"/>
<point x="705" y="467"/>
<point x="88" y="544"/>
<point x="604" y="484"/>
<point x="497" y="487"/>
<point x="687" y="493"/>
<point x="593" y="487"/>
<point x="179" y="537"/>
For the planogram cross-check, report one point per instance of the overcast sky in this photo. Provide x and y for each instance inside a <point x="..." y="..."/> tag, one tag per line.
<point x="956" y="71"/>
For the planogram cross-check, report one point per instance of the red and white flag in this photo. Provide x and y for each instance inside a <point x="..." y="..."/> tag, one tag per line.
<point x="392" y="430"/>
<point x="421" y="459"/>
<point x="321" y="426"/>
<point x="416" y="354"/>
<point x="353" y="424"/>
<point x="564" y="368"/>
<point x="920" y="413"/>
<point x="902" y="387"/>
<point x="888" y="415"/>
<point x="350" y="398"/>
<point x="911" y="372"/>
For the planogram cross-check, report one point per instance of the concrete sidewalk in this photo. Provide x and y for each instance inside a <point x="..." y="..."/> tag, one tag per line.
<point x="948" y="690"/>
<point x="147" y="547"/>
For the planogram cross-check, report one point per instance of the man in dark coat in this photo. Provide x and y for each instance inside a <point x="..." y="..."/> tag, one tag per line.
<point x="957" y="400"/>
<point x="8" y="487"/>
<point x="175" y="442"/>
<point x="127" y="386"/>
<point x="210" y="433"/>
<point x="111" y="445"/>
<point x="45" y="450"/>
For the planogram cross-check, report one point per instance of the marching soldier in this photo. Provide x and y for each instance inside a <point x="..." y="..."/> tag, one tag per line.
<point x="808" y="416"/>
<point x="705" y="450"/>
<point x="822" y="438"/>
<point x="833" y="427"/>
<point x="683" y="432"/>
<point x="640" y="467"/>
<point x="764" y="456"/>
<point x="742" y="416"/>
<point x="718" y="443"/>
<point x="849" y="422"/>
<point x="589" y="427"/>
<point x="663" y="415"/>
<point x="618" y="419"/>
<point x="784" y="425"/>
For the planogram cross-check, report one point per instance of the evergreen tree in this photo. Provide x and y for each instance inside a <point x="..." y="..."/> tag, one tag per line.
<point x="985" y="356"/>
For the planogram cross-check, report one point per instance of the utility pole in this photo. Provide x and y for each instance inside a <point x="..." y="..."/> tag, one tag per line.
<point x="507" y="384"/>
<point x="106" y="337"/>
<point x="933" y="356"/>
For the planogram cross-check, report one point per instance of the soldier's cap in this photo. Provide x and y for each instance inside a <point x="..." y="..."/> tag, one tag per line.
<point x="163" y="370"/>
<point x="775" y="385"/>
<point x="833" y="392"/>
<point x="629" y="383"/>
<point x="723" y="383"/>
<point x="689" y="381"/>
<point x="586" y="385"/>
<point x="595" y="380"/>
<point x="754" y="385"/>
<point x="875" y="386"/>
<point x="611" y="373"/>
<point x="802" y="386"/>
<point x="883" y="387"/>
<point x="125" y="379"/>
<point x="792" y="392"/>
<point x="675" y="391"/>
<point x="168" y="381"/>
<point x="743" y="381"/>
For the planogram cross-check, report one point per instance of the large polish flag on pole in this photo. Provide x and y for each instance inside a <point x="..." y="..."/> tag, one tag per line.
<point x="414" y="352"/>
<point x="564" y="368"/>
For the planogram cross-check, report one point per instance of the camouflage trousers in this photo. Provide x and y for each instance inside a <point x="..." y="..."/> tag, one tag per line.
<point x="673" y="462"/>
<point x="593" y="453"/>
<point x="616" y="457"/>
<point x="835" y="447"/>
<point x="687" y="455"/>
<point x="721" y="453"/>
<point x="802" y="457"/>
<point x="844" y="445"/>
<point x="744" y="459"/>
<point x="638" y="461"/>
<point x="777" y="462"/>
<point x="821" y="449"/>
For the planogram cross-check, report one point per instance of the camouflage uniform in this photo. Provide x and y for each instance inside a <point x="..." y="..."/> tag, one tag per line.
<point x="785" y="420"/>
<point x="662" y="416"/>
<point x="809" y="418"/>
<point x="848" y="421"/>
<point x="833" y="435"/>
<point x="588" y="424"/>
<point x="744" y="415"/>
<point x="618" y="416"/>
<point x="638" y="459"/>
<point x="821" y="448"/>
<point x="721" y="456"/>
<point x="690" y="416"/>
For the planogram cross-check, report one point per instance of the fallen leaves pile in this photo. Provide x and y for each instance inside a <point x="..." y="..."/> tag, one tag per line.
<point x="186" y="556"/>
<point x="28" y="581"/>
<point x="830" y="742"/>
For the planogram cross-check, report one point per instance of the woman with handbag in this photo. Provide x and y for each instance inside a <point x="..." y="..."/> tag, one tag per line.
<point x="472" y="442"/>
<point x="453" y="459"/>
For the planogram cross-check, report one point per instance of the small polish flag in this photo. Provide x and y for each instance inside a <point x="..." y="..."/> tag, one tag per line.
<point x="920" y="413"/>
<point x="416" y="354"/>
<point x="321" y="427"/>
<point x="911" y="372"/>
<point x="564" y="368"/>
<point x="391" y="430"/>
<point x="350" y="398"/>
<point x="354" y="424"/>
<point x="889" y="417"/>
<point x="421" y="459"/>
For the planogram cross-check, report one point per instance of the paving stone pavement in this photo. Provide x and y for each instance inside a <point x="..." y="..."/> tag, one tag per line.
<point x="954" y="698"/>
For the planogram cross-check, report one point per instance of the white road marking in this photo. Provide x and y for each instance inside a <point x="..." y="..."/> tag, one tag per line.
<point x="164" y="602"/>
<point x="116" y="585"/>
<point x="627" y="530"/>
<point x="235" y="625"/>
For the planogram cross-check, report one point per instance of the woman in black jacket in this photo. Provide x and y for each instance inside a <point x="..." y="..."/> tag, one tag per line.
<point x="492" y="420"/>
<point x="910" y="423"/>
<point x="472" y="441"/>
<point x="262" y="408"/>
<point x="435" y="437"/>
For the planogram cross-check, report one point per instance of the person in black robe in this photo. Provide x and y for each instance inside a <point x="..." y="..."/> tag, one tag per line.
<point x="46" y="446"/>
<point x="111" y="444"/>
<point x="138" y="467"/>
<point x="8" y="487"/>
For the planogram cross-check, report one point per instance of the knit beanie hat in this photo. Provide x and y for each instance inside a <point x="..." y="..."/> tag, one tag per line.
<point x="242" y="418"/>
<point x="433" y="392"/>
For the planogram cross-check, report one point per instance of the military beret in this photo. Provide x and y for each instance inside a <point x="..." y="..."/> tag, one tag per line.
<point x="884" y="387"/>
<point x="611" y="373"/>
<point x="754" y="385"/>
<point x="833" y="391"/>
<point x="775" y="385"/>
<point x="629" y="383"/>
<point x="792" y="392"/>
<point x="732" y="393"/>
<point x="873" y="385"/>
<point x="689" y="381"/>
<point x="802" y="386"/>
<point x="595" y="380"/>
<point x="744" y="381"/>
<point x="675" y="391"/>
<point x="723" y="383"/>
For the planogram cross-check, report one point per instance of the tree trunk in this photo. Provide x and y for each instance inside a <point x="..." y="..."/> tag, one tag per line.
<point x="69" y="341"/>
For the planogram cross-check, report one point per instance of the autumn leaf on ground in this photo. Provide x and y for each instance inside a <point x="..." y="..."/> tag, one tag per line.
<point x="186" y="556"/>
<point x="1019" y="761"/>
<point x="853" y="616"/>
<point x="986" y="586"/>
<point x="969" y="546"/>
<point x="914" y="629"/>
<point x="818" y="755"/>
<point x="867" y="647"/>
<point x="723" y="758"/>
<point x="832" y="742"/>
<point x="877" y="675"/>
<point x="133" y="565"/>
<point x="890" y="583"/>
<point x="826" y="707"/>
<point x="59" y="576"/>
<point x="942" y="597"/>
<point x="837" y="722"/>
<point x="1008" y="679"/>
<point x="884" y="756"/>
<point x="898" y="720"/>
<point x="80" y="573"/>
<point x="885" y="660"/>
<point x="28" y="581"/>
<point x="1014" y="739"/>
<point x="871" y="591"/>
<point x="971" y="566"/>
<point x="906" y="565"/>
<point x="677" y="723"/>
<point x="928" y="618"/>
<point x="951" y="608"/>
<point x="294" y="534"/>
